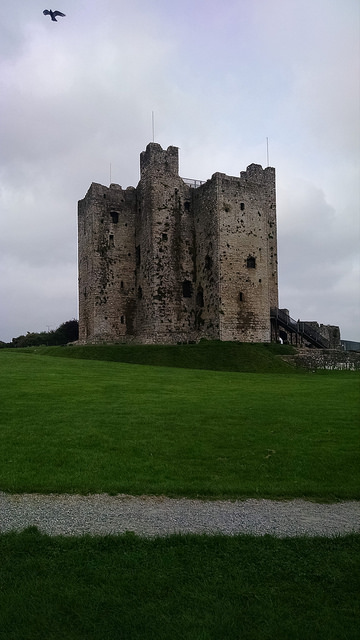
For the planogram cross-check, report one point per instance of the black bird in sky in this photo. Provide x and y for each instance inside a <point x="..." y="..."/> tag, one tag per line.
<point x="53" y="14"/>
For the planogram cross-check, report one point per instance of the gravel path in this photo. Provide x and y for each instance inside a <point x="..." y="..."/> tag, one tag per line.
<point x="150" y="516"/>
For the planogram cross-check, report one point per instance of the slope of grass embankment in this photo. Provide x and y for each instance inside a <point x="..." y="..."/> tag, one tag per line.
<point x="214" y="355"/>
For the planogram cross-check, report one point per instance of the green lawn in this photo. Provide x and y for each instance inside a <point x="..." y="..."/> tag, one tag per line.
<point x="243" y="429"/>
<point x="190" y="587"/>
<point x="74" y="425"/>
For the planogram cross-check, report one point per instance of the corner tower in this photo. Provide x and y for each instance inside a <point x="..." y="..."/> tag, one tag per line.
<point x="236" y="274"/>
<point x="106" y="263"/>
<point x="247" y="254"/>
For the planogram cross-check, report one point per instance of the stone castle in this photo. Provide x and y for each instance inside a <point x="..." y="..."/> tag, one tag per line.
<point x="175" y="260"/>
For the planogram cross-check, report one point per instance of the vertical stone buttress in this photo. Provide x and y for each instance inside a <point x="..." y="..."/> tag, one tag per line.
<point x="207" y="301"/>
<point x="164" y="249"/>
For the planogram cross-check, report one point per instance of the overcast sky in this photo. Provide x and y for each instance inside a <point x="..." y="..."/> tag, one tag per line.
<point x="221" y="76"/>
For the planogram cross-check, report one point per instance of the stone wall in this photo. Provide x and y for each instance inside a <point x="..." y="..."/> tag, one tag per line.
<point x="331" y="359"/>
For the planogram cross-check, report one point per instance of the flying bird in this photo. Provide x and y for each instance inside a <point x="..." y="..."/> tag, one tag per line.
<point x="53" y="14"/>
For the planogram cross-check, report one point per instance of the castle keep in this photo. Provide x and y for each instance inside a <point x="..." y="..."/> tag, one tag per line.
<point x="173" y="260"/>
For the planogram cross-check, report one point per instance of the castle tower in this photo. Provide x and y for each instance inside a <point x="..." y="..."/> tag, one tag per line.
<point x="235" y="226"/>
<point x="106" y="257"/>
<point x="169" y="263"/>
<point x="247" y="254"/>
<point x="164" y="249"/>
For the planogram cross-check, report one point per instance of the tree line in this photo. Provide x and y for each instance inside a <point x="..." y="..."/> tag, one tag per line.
<point x="66" y="332"/>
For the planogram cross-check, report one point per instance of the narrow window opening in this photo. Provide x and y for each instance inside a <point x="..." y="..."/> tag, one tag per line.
<point x="251" y="262"/>
<point x="122" y="319"/>
<point x="242" y="206"/>
<point x="208" y="262"/>
<point x="121" y="284"/>
<point x="139" y="293"/>
<point x="241" y="296"/>
<point x="111" y="240"/>
<point x="187" y="205"/>
<point x="187" y="289"/>
<point x="114" y="216"/>
<point x="200" y="297"/>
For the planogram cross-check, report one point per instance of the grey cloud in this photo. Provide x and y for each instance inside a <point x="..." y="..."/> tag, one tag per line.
<point x="77" y="96"/>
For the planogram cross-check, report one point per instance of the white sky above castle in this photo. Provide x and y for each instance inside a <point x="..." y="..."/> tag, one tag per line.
<point x="221" y="76"/>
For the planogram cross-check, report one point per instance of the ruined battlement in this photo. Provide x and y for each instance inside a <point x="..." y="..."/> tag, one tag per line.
<point x="256" y="173"/>
<point x="165" y="262"/>
<point x="157" y="161"/>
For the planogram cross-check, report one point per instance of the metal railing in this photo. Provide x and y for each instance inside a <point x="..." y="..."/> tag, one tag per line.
<point x="193" y="183"/>
<point x="311" y="334"/>
<point x="301" y="328"/>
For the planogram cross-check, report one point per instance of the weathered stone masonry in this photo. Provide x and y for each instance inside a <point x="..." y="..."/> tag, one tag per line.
<point x="165" y="262"/>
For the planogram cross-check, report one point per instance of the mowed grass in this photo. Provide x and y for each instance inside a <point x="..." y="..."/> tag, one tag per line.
<point x="182" y="587"/>
<point x="82" y="425"/>
<point x="87" y="426"/>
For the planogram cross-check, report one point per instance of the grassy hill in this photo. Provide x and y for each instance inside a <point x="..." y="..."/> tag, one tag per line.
<point x="211" y="355"/>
